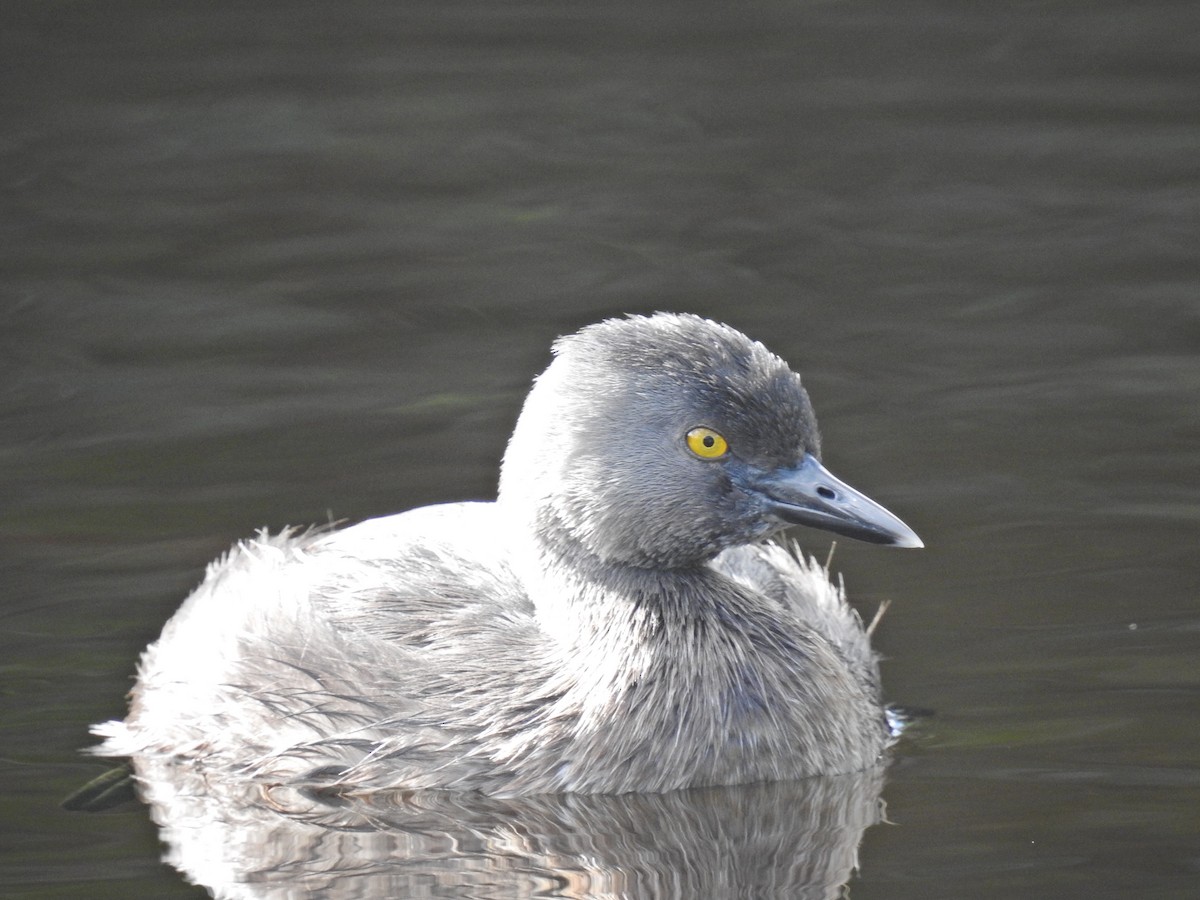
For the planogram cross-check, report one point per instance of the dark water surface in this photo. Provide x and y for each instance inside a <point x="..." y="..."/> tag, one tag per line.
<point x="277" y="263"/>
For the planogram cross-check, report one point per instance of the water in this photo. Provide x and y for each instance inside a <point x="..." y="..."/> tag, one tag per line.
<point x="268" y="266"/>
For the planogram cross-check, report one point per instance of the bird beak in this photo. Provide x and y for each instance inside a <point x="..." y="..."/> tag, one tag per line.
<point x="809" y="494"/>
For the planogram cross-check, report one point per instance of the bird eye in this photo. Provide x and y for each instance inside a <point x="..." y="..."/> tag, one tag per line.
<point x="706" y="443"/>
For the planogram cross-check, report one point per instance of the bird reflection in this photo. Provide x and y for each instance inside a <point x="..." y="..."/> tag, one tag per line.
<point x="244" y="840"/>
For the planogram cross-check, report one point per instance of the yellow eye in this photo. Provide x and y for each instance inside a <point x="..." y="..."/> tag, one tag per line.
<point x="706" y="443"/>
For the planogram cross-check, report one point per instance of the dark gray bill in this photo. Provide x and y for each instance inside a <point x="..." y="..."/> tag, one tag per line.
<point x="809" y="494"/>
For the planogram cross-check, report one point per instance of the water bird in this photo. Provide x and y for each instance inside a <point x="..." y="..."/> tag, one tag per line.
<point x="623" y="617"/>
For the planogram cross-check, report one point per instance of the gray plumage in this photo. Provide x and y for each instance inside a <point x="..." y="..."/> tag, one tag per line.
<point x="618" y="620"/>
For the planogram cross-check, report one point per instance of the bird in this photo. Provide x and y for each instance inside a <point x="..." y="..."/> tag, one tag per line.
<point x="628" y="615"/>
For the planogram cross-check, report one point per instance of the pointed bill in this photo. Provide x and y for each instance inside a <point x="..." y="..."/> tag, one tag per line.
<point x="809" y="494"/>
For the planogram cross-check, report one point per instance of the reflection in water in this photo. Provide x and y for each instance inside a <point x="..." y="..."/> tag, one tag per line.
<point x="240" y="839"/>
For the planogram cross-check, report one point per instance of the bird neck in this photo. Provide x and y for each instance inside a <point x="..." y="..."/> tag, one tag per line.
<point x="585" y="601"/>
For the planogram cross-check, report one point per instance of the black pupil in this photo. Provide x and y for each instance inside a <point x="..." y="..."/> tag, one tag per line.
<point x="709" y="440"/>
